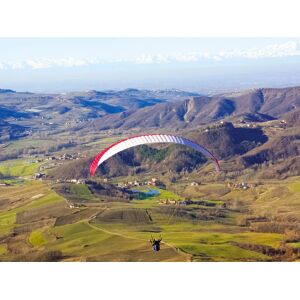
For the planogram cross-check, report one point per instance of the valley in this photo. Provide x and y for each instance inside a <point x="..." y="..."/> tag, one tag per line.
<point x="51" y="209"/>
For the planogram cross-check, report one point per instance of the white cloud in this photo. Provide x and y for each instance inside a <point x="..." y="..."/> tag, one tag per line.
<point x="274" y="50"/>
<point x="59" y="62"/>
<point x="287" y="49"/>
<point x="47" y="63"/>
<point x="151" y="59"/>
<point x="271" y="51"/>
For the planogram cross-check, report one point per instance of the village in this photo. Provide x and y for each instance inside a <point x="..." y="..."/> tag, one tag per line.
<point x="241" y="185"/>
<point x="65" y="156"/>
<point x="153" y="182"/>
<point x="54" y="161"/>
<point x="191" y="202"/>
<point x="247" y="124"/>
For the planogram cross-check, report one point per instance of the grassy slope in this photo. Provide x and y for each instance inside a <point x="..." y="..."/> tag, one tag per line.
<point x="202" y="241"/>
<point x="83" y="241"/>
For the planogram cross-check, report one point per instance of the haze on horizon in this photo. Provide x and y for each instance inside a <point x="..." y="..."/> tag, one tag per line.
<point x="205" y="65"/>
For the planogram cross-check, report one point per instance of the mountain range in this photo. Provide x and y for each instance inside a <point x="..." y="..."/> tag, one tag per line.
<point x="132" y="108"/>
<point x="68" y="110"/>
<point x="254" y="105"/>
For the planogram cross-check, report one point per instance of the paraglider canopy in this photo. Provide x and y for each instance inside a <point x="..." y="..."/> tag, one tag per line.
<point x="148" y="139"/>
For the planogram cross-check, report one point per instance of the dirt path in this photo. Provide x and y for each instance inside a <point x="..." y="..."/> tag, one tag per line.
<point x="188" y="257"/>
<point x="114" y="233"/>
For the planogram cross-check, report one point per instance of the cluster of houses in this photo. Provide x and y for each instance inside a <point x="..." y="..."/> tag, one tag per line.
<point x="215" y="126"/>
<point x="76" y="181"/>
<point x="40" y="176"/>
<point x="130" y="184"/>
<point x="278" y="124"/>
<point x="67" y="156"/>
<point x="239" y="123"/>
<point x="275" y="124"/>
<point x="169" y="202"/>
<point x="53" y="161"/>
<point x="241" y="185"/>
<point x="243" y="123"/>
<point x="189" y="202"/>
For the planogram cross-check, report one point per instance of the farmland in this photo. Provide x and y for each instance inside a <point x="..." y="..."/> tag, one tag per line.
<point x="39" y="224"/>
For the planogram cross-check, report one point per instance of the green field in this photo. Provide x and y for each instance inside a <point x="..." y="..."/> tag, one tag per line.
<point x="36" y="238"/>
<point x="18" y="168"/>
<point x="81" y="190"/>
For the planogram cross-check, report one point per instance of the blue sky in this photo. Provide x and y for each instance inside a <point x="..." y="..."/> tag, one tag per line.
<point x="196" y="64"/>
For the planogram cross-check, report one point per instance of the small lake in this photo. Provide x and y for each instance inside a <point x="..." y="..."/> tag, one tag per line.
<point x="147" y="193"/>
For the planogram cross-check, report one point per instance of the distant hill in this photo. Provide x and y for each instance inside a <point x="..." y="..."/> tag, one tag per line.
<point x="127" y="99"/>
<point x="11" y="131"/>
<point x="6" y="91"/>
<point x="279" y="148"/>
<point x="70" y="110"/>
<point x="282" y="148"/>
<point x="226" y="141"/>
<point x="277" y="102"/>
<point x="144" y="109"/>
<point x="6" y="113"/>
<point x="254" y="105"/>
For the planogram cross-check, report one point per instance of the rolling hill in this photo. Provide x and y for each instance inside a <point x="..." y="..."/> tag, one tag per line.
<point x="67" y="110"/>
<point x="131" y="108"/>
<point x="254" y="105"/>
<point x="11" y="131"/>
<point x="225" y="141"/>
<point x="279" y="148"/>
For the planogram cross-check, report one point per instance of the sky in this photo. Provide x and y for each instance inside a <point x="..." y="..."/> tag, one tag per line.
<point x="206" y="65"/>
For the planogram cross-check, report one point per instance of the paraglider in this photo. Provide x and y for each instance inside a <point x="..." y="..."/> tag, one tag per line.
<point x="148" y="139"/>
<point x="155" y="243"/>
